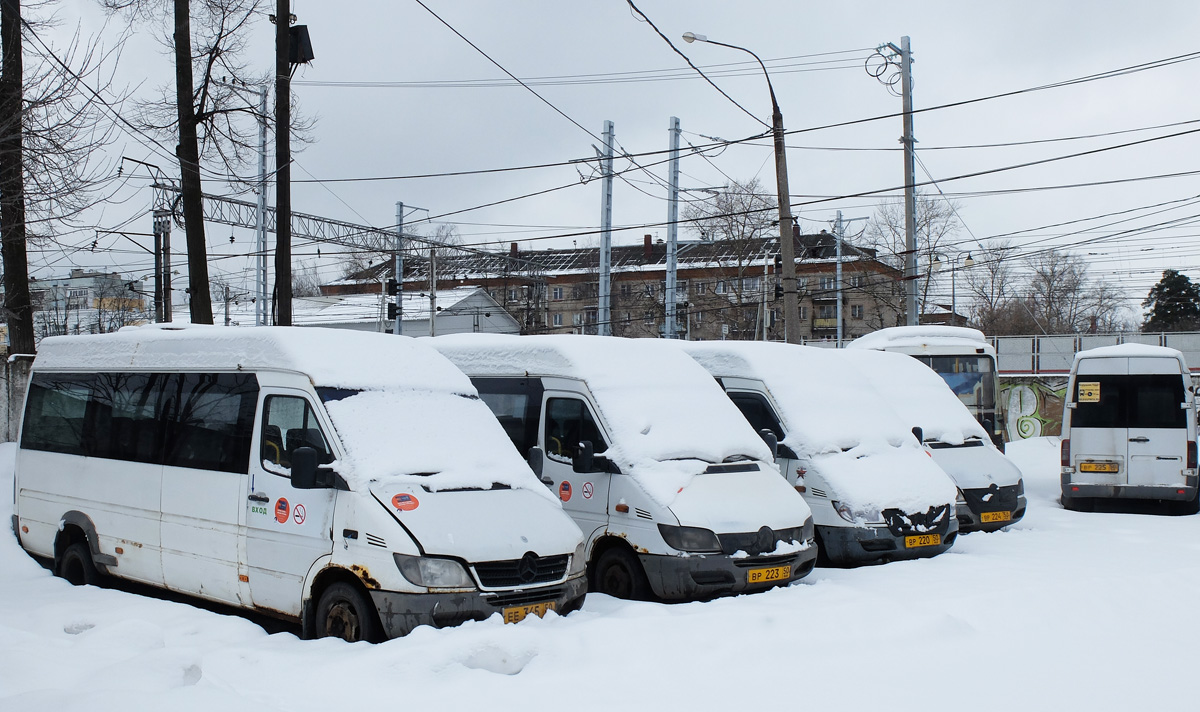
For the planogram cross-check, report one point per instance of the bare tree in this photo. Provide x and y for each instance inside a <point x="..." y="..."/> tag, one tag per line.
<point x="117" y="305"/>
<point x="306" y="281"/>
<point x="50" y="130"/>
<point x="937" y="224"/>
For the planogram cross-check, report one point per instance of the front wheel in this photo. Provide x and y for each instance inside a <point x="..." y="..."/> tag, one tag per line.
<point x="618" y="573"/>
<point x="345" y="612"/>
<point x="75" y="565"/>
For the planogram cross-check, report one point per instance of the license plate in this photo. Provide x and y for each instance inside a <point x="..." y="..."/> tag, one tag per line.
<point x="518" y="613"/>
<point x="988" y="517"/>
<point x="912" y="542"/>
<point x="1098" y="467"/>
<point x="774" y="573"/>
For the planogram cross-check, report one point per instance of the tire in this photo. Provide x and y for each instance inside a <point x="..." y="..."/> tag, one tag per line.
<point x="1188" y="507"/>
<point x="1078" y="504"/>
<point x="345" y="612"/>
<point x="618" y="573"/>
<point x="76" y="567"/>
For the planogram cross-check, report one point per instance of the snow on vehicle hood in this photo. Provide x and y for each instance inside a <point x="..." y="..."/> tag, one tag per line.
<point x="477" y="525"/>
<point x="738" y="502"/>
<point x="874" y="479"/>
<point x="659" y="407"/>
<point x="432" y="439"/>
<point x="973" y="467"/>
<point x="917" y="394"/>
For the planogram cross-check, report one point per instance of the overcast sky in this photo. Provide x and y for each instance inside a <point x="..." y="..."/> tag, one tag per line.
<point x="387" y="93"/>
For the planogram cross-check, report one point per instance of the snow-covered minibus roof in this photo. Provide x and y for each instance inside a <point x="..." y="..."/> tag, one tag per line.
<point x="925" y="340"/>
<point x="1133" y="351"/>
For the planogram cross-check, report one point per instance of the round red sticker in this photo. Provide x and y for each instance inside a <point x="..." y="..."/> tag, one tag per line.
<point x="299" y="514"/>
<point x="282" y="510"/>
<point x="564" y="491"/>
<point x="405" y="502"/>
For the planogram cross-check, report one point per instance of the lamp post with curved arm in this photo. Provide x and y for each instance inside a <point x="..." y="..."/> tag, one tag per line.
<point x="787" y="248"/>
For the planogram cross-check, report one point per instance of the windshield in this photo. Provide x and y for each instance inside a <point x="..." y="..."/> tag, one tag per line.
<point x="971" y="377"/>
<point x="443" y="440"/>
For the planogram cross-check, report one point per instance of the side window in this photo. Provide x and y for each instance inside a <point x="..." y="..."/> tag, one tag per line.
<point x="54" y="413"/>
<point x="758" y="412"/>
<point x="127" y="420"/>
<point x="288" y="423"/>
<point x="569" y="422"/>
<point x="517" y="405"/>
<point x="509" y="409"/>
<point x="212" y="420"/>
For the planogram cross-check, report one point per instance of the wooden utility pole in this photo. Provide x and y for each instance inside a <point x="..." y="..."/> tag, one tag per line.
<point x="19" y="311"/>
<point x="188" y="153"/>
<point x="283" y="168"/>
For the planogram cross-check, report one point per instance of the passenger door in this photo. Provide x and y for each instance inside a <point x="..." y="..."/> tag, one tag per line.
<point x="567" y="420"/>
<point x="287" y="529"/>
<point x="1158" y="425"/>
<point x="209" y="430"/>
<point x="1098" y="432"/>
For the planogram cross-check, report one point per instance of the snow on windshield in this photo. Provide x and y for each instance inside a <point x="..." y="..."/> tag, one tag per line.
<point x="657" y="405"/>
<point x="918" y="394"/>
<point x="440" y="440"/>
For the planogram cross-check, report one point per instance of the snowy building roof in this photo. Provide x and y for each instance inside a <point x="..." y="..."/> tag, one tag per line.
<point x="354" y="308"/>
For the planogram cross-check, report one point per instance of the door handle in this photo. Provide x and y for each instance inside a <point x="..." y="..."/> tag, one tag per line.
<point x="256" y="497"/>
<point x="1139" y="439"/>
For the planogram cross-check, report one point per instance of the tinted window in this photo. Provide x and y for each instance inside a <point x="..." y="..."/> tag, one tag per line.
<point x="568" y="423"/>
<point x="127" y="420"/>
<point x="288" y="423"/>
<point x="211" y="420"/>
<point x="54" y="413"/>
<point x="1137" y="401"/>
<point x="758" y="412"/>
<point x="517" y="404"/>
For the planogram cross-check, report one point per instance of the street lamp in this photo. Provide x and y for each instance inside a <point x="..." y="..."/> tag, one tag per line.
<point x="939" y="264"/>
<point x="787" y="248"/>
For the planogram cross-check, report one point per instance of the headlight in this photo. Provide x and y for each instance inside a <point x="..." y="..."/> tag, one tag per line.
<point x="856" y="516"/>
<point x="579" y="559"/>
<point x="693" y="539"/>
<point x="791" y="534"/>
<point x="962" y="499"/>
<point x="433" y="573"/>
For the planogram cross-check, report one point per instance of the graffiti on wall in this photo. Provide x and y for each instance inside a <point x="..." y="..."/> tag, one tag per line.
<point x="1034" y="406"/>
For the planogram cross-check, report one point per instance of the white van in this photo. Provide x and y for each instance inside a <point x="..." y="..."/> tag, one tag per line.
<point x="875" y="493"/>
<point x="351" y="482"/>
<point x="676" y="495"/>
<point x="1129" y="428"/>
<point x="991" y="493"/>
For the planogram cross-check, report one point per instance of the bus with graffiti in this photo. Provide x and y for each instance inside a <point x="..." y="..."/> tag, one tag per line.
<point x="960" y="355"/>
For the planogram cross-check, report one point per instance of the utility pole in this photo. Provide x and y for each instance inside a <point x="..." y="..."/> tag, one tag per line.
<point x="433" y="291"/>
<point x="260" y="218"/>
<point x="162" y="233"/>
<point x="283" y="165"/>
<point x="398" y="267"/>
<point x="672" y="228"/>
<point x="910" y="182"/>
<point x="839" y="233"/>
<point x="227" y="319"/>
<point x="604" y="328"/>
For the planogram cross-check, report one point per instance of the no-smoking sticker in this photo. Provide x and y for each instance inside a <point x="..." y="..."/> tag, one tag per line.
<point x="587" y="490"/>
<point x="298" y="514"/>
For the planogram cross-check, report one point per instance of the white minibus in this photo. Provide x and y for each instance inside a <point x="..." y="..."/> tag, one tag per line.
<point x="875" y="494"/>
<point x="351" y="482"/>
<point x="1129" y="428"/>
<point x="677" y="496"/>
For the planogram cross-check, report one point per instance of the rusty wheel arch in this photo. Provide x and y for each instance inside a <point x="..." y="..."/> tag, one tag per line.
<point x="323" y="580"/>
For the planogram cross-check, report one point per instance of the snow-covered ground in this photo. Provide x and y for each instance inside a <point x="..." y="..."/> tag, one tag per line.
<point x="1064" y="611"/>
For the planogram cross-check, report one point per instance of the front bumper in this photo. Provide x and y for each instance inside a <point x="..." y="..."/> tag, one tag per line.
<point x="1184" y="492"/>
<point x="855" y="546"/>
<point x="970" y="520"/>
<point x="701" y="576"/>
<point x="401" y="612"/>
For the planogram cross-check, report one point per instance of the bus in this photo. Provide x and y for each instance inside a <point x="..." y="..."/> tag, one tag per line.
<point x="960" y="355"/>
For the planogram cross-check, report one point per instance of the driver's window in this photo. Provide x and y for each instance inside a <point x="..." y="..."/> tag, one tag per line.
<point x="760" y="414"/>
<point x="569" y="422"/>
<point x="288" y="423"/>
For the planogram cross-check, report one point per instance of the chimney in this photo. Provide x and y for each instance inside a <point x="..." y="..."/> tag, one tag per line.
<point x="512" y="249"/>
<point x="648" y="247"/>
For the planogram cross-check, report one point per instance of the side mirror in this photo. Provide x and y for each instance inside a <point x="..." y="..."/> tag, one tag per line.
<point x="536" y="460"/>
<point x="304" y="468"/>
<point x="919" y="434"/>
<point x="584" y="460"/>
<point x="772" y="442"/>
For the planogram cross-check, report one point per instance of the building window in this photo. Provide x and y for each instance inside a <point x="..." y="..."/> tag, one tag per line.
<point x="701" y="287"/>
<point x="649" y="289"/>
<point x="577" y="319"/>
<point x="512" y="295"/>
<point x="802" y="284"/>
<point x="828" y="284"/>
<point x="556" y="293"/>
<point x="589" y="316"/>
<point x="750" y="284"/>
<point x="626" y="290"/>
<point x="720" y="288"/>
<point x="803" y="312"/>
<point x="857" y="281"/>
<point x="827" y="311"/>
<point x="557" y="319"/>
<point x="856" y="311"/>
<point x="648" y="317"/>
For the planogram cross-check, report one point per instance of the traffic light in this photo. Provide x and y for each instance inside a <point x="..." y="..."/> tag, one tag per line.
<point x="779" y="289"/>
<point x="391" y="311"/>
<point x="393" y="287"/>
<point x="778" y="262"/>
